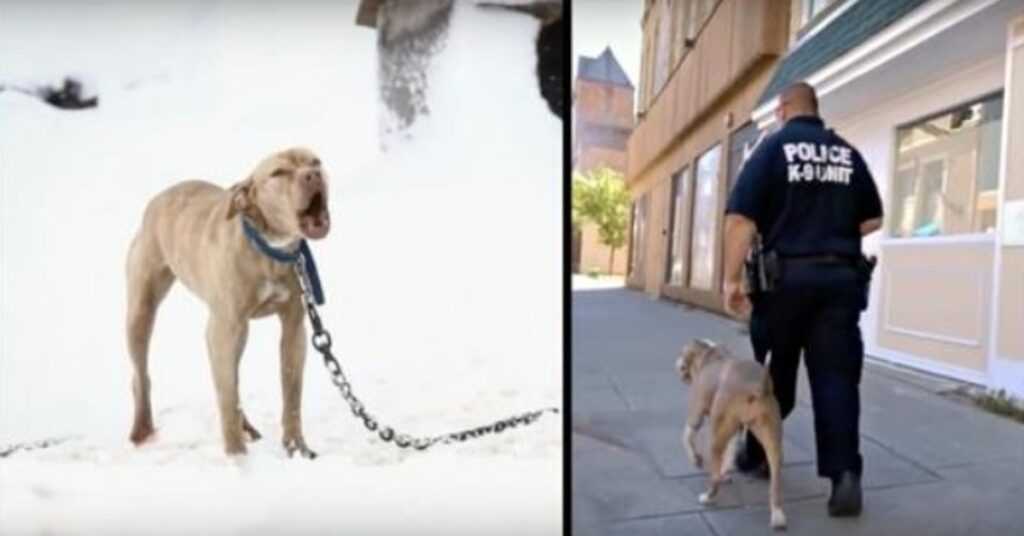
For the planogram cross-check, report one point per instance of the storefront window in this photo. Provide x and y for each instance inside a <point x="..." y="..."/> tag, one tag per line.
<point x="681" y="189"/>
<point x="947" y="172"/>
<point x="702" y="253"/>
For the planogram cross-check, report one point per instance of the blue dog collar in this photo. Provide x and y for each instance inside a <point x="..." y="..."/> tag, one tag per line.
<point x="301" y="255"/>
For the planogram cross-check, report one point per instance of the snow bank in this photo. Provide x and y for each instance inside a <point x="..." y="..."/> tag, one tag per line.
<point x="442" y="274"/>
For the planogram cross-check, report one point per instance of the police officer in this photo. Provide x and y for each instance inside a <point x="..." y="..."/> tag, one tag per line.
<point x="810" y="196"/>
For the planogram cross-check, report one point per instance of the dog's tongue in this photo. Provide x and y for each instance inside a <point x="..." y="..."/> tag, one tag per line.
<point x="316" y="226"/>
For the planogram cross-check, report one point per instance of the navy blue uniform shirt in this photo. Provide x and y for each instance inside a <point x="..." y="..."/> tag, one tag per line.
<point x="808" y="191"/>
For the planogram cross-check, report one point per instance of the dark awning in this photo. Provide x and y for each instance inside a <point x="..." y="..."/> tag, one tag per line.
<point x="851" y="28"/>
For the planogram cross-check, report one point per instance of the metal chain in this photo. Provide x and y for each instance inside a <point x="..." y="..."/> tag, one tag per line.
<point x="8" y="450"/>
<point x="321" y="340"/>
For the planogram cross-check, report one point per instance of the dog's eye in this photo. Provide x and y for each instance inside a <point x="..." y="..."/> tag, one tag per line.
<point x="279" y="172"/>
<point x="315" y="162"/>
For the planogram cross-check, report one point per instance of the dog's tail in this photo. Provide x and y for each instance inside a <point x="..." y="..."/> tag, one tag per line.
<point x="766" y="384"/>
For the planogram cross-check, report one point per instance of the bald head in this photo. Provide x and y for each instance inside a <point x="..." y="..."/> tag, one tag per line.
<point x="797" y="99"/>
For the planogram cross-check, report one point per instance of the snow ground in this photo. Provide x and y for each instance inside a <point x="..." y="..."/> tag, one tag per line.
<point x="442" y="274"/>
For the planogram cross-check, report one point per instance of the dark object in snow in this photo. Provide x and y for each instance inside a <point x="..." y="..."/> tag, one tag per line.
<point x="68" y="96"/>
<point x="7" y="450"/>
<point x="550" y="52"/>
<point x="409" y="35"/>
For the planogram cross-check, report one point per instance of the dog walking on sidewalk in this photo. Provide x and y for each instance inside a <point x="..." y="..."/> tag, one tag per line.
<point x="735" y="394"/>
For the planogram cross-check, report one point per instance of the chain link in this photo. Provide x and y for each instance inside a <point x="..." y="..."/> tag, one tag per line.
<point x="321" y="340"/>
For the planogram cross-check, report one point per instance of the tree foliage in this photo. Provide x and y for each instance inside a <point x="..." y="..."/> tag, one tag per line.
<point x="600" y="197"/>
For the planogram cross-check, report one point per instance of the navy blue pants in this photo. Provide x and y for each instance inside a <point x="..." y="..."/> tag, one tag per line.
<point x="815" y="310"/>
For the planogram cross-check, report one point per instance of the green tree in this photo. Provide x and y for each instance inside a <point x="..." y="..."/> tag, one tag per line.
<point x="600" y="197"/>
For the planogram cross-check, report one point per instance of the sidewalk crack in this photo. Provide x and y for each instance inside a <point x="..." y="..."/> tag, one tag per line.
<point x="618" y="391"/>
<point x="906" y="459"/>
<point x="711" y="528"/>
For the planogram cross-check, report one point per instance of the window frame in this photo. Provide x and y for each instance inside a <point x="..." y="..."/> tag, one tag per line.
<point x="678" y="209"/>
<point x="810" y="21"/>
<point x="638" y="242"/>
<point x="895" y="167"/>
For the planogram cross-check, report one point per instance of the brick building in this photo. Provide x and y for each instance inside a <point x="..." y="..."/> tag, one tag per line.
<point x="602" y="121"/>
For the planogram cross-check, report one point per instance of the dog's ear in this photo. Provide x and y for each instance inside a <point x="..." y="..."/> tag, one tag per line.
<point x="238" y="197"/>
<point x="699" y="351"/>
<point x="708" y="349"/>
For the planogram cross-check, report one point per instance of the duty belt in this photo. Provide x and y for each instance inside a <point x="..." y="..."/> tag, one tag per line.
<point x="827" y="258"/>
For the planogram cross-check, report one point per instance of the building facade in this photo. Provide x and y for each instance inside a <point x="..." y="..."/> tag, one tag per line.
<point x="705" y="65"/>
<point x="932" y="93"/>
<point x="602" y="121"/>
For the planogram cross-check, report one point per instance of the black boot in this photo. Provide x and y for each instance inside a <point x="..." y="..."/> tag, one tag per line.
<point x="846" y="500"/>
<point x="747" y="465"/>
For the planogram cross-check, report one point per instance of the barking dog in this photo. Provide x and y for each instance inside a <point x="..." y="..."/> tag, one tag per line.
<point x="192" y="232"/>
<point x="734" y="394"/>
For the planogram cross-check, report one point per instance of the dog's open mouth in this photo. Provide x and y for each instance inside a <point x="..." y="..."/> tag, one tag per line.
<point x="314" y="220"/>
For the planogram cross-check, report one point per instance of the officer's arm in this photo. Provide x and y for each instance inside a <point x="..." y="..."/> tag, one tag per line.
<point x="739" y="232"/>
<point x="746" y="205"/>
<point x="869" y="202"/>
<point x="869" y="226"/>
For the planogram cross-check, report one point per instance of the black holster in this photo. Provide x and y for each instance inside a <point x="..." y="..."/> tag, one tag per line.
<point x="865" y="267"/>
<point x="761" y="269"/>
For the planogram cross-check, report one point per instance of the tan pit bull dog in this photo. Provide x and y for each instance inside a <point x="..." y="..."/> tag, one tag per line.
<point x="192" y="232"/>
<point x="735" y="394"/>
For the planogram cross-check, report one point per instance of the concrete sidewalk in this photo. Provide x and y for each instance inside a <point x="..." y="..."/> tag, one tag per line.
<point x="932" y="465"/>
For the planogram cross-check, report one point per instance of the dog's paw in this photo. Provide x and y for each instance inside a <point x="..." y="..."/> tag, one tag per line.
<point x="291" y="446"/>
<point x="141" y="437"/>
<point x="706" y="498"/>
<point x="778" y="519"/>
<point x="251" y="433"/>
<point x="235" y="449"/>
<point x="142" y="430"/>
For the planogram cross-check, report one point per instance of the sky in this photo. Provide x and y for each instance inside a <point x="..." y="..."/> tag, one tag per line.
<point x="616" y="23"/>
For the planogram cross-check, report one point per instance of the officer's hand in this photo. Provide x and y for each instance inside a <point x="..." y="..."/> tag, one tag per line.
<point x="736" y="302"/>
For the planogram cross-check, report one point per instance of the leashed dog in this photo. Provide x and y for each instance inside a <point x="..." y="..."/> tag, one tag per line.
<point x="191" y="232"/>
<point x="735" y="394"/>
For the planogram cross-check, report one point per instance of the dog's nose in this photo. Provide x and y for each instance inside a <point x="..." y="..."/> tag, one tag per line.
<point x="313" y="175"/>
